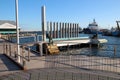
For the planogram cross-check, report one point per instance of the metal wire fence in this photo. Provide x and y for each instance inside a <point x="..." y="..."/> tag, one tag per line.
<point x="68" y="65"/>
<point x="52" y="74"/>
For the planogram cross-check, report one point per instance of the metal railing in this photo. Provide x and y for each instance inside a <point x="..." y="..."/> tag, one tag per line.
<point x="73" y="61"/>
<point x="10" y="49"/>
<point x="54" y="74"/>
<point x="24" y="38"/>
<point x="99" y="59"/>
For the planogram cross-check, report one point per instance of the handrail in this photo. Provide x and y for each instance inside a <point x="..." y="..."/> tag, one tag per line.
<point x="12" y="52"/>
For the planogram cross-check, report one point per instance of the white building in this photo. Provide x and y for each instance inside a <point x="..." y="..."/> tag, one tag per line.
<point x="7" y="27"/>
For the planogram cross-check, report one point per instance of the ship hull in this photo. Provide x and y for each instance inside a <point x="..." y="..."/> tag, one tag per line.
<point x="116" y="33"/>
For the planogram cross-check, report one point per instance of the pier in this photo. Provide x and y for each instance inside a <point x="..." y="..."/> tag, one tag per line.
<point x="68" y="62"/>
<point x="65" y="65"/>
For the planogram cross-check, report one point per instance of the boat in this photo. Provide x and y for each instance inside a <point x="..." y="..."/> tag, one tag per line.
<point x="116" y="32"/>
<point x="92" y="28"/>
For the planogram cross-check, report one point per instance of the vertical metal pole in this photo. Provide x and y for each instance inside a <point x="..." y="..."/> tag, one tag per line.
<point x="6" y="50"/>
<point x="60" y="30"/>
<point x="68" y="30"/>
<point x="54" y="30"/>
<point x="22" y="53"/>
<point x="73" y="30"/>
<point x="51" y="29"/>
<point x="3" y="48"/>
<point x="10" y="49"/>
<point x="77" y="30"/>
<point x="63" y="30"/>
<point x="48" y="28"/>
<point x="17" y="25"/>
<point x="29" y="54"/>
<point x="57" y="31"/>
<point x="43" y="23"/>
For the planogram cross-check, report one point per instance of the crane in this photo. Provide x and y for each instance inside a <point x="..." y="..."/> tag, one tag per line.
<point x="118" y="25"/>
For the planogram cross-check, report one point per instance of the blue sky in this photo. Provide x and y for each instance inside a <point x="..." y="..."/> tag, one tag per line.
<point x="106" y="12"/>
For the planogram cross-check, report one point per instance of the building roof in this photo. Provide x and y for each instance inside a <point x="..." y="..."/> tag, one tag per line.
<point x="7" y="21"/>
<point x="6" y="24"/>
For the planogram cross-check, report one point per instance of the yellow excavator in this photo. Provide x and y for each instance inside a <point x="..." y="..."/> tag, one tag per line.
<point x="51" y="48"/>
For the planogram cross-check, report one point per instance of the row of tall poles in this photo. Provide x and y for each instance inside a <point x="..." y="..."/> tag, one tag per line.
<point x="63" y="30"/>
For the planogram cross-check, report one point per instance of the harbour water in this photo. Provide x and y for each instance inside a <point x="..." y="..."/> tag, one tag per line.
<point x="110" y="49"/>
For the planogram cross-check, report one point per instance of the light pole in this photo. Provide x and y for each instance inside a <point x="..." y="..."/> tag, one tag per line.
<point x="17" y="30"/>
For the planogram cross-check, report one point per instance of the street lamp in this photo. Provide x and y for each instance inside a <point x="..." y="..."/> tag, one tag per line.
<point x="17" y="30"/>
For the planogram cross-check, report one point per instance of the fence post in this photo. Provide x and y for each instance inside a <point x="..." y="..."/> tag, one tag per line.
<point x="24" y="63"/>
<point x="114" y="51"/>
<point x="22" y="53"/>
<point x="6" y="50"/>
<point x="64" y="75"/>
<point x="29" y="54"/>
<point x="15" y="52"/>
<point x="47" y="75"/>
<point x="10" y="49"/>
<point x="23" y="56"/>
<point x="30" y="76"/>
<point x="72" y="77"/>
<point x="39" y="76"/>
